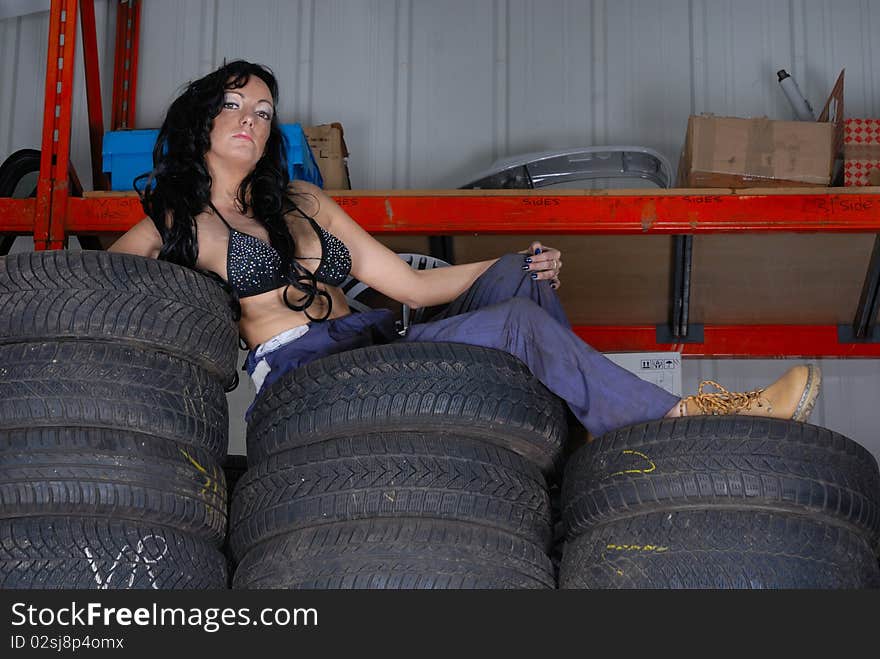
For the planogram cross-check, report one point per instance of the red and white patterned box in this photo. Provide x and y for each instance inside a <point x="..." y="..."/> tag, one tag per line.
<point x="861" y="150"/>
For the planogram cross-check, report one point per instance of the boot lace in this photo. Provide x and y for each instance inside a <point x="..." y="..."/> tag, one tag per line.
<point x="724" y="401"/>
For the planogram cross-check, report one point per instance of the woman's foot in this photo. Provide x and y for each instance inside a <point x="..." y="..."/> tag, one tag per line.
<point x="791" y="397"/>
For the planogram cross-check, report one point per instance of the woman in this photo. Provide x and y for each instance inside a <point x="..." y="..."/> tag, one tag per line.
<point x="219" y="200"/>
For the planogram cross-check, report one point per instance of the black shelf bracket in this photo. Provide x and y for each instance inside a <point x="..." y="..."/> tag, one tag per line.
<point x="695" y="334"/>
<point x="679" y="329"/>
<point x="864" y="328"/>
<point x="6" y="244"/>
<point x="440" y="247"/>
<point x="846" y="334"/>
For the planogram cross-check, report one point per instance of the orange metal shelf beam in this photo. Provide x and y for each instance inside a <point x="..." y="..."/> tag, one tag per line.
<point x="840" y="210"/>
<point x="604" y="212"/>
<point x="733" y="341"/>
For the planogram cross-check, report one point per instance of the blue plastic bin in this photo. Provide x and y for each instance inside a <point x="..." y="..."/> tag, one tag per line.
<point x="129" y="153"/>
<point x="301" y="163"/>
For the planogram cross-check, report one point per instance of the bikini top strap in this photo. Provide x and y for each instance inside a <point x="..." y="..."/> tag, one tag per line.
<point x="324" y="237"/>
<point x="218" y="214"/>
<point x="318" y="228"/>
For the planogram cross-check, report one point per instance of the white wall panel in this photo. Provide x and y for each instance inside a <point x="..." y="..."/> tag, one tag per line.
<point x="649" y="75"/>
<point x="449" y="124"/>
<point x="22" y="84"/>
<point x="431" y="91"/>
<point x="554" y="98"/>
<point x="24" y="70"/>
<point x="176" y="46"/>
<point x="356" y="62"/>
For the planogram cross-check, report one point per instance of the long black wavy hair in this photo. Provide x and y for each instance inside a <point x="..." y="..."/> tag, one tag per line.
<point x="179" y="186"/>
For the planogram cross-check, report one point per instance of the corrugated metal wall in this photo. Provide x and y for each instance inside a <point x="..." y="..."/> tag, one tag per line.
<point x="430" y="92"/>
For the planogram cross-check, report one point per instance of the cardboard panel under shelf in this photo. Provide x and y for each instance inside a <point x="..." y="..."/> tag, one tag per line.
<point x="401" y="244"/>
<point x="736" y="279"/>
<point x="782" y="278"/>
<point x="606" y="280"/>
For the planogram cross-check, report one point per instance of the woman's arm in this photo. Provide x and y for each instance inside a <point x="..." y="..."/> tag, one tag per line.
<point x="142" y="239"/>
<point x="379" y="267"/>
<point x="540" y="261"/>
<point x="442" y="285"/>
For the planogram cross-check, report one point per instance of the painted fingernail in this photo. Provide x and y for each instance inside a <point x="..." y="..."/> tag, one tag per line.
<point x="525" y="267"/>
<point x="528" y="259"/>
<point x="534" y="275"/>
<point x="538" y="251"/>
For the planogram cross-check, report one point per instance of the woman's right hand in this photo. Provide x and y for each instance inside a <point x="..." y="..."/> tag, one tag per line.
<point x="544" y="262"/>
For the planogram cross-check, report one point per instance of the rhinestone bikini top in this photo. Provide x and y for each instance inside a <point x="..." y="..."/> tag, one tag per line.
<point x="254" y="266"/>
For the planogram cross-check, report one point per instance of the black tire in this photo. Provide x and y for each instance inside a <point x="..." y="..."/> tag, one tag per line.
<point x="99" y="554"/>
<point x="83" y="384"/>
<point x="719" y="549"/>
<point x="735" y="461"/>
<point x="395" y="554"/>
<point x="15" y="168"/>
<point x="146" y="303"/>
<point x="425" y="387"/>
<point x="91" y="472"/>
<point x="390" y="475"/>
<point x="19" y="176"/>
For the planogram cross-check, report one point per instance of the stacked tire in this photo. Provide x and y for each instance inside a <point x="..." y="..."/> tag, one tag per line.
<point x="721" y="502"/>
<point x="409" y="465"/>
<point x="113" y="422"/>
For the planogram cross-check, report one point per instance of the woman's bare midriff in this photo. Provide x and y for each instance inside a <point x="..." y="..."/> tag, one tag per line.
<point x="264" y="316"/>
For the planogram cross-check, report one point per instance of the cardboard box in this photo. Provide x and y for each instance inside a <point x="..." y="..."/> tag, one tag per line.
<point x="728" y="152"/>
<point x="861" y="151"/>
<point x="733" y="152"/>
<point x="328" y="147"/>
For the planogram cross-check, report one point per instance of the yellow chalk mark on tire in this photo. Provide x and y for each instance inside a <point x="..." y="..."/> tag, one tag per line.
<point x="657" y="549"/>
<point x="209" y="482"/>
<point x="650" y="462"/>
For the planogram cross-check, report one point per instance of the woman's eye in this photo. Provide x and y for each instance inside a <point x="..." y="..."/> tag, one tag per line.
<point x="264" y="115"/>
<point x="229" y="105"/>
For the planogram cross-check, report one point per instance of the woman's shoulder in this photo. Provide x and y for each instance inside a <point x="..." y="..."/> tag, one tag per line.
<point x="142" y="239"/>
<point x="303" y="187"/>
<point x="308" y="198"/>
<point x="303" y="191"/>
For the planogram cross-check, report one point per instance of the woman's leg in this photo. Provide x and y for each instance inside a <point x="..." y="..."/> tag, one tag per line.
<point x="503" y="281"/>
<point x="602" y="395"/>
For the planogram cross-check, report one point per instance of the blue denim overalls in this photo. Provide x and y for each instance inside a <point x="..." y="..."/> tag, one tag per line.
<point x="503" y="309"/>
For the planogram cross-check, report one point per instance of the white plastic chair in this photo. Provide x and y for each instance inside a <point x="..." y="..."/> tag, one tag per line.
<point x="356" y="290"/>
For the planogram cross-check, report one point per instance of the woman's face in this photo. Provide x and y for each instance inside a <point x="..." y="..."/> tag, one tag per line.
<point x="240" y="131"/>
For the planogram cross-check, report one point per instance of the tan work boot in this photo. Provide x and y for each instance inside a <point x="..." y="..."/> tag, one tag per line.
<point x="791" y="397"/>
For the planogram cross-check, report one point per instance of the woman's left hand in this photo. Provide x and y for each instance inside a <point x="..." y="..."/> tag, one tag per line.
<point x="543" y="262"/>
